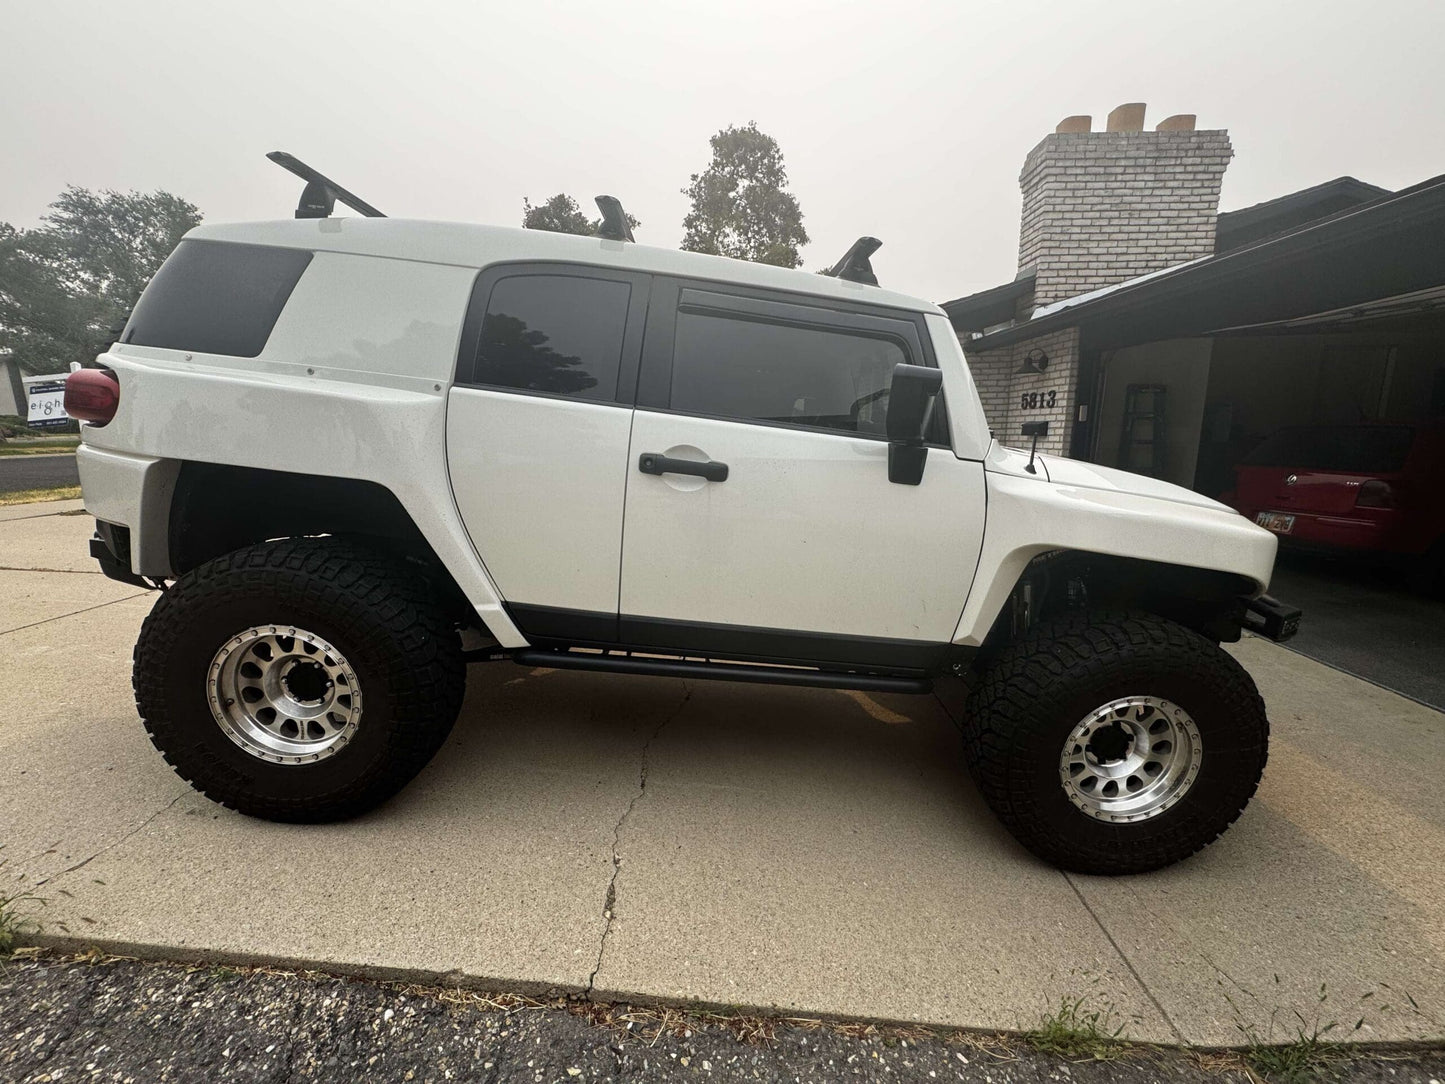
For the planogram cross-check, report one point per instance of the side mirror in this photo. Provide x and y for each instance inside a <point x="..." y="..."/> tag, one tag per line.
<point x="910" y="408"/>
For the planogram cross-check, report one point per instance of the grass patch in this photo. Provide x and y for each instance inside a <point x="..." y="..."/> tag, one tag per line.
<point x="32" y="496"/>
<point x="1307" y="1058"/>
<point x="1074" y="1030"/>
<point x="17" y="911"/>
<point x="1294" y="1047"/>
<point x="56" y="448"/>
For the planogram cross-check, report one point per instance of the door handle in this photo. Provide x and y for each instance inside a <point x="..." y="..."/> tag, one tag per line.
<point x="652" y="463"/>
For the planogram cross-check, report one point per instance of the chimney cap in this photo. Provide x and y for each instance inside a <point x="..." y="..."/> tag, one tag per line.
<point x="1079" y="123"/>
<point x="1129" y="117"/>
<point x="1179" y="122"/>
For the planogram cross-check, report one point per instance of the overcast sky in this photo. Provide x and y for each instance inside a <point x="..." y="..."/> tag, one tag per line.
<point x="905" y="120"/>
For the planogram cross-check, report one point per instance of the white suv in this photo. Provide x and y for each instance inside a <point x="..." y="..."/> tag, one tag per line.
<point x="357" y="454"/>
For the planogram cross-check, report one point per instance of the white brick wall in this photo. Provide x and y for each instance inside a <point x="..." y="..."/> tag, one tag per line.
<point x="1002" y="387"/>
<point x="1103" y="207"/>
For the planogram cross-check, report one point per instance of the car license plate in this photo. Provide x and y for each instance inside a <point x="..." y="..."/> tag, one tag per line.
<point x="1277" y="522"/>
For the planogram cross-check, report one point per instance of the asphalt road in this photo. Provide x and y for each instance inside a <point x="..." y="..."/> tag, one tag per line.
<point x="126" y="1020"/>
<point x="1366" y="621"/>
<point x="20" y="472"/>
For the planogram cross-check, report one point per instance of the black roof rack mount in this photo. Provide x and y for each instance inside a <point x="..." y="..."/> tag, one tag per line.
<point x="855" y="266"/>
<point x="318" y="198"/>
<point x="614" y="220"/>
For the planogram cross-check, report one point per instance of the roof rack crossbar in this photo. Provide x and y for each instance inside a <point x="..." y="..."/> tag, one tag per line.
<point x="855" y="265"/>
<point x="614" y="220"/>
<point x="318" y="198"/>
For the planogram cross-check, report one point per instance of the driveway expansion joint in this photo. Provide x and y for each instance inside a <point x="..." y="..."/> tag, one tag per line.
<point x="1173" y="1027"/>
<point x="609" y="904"/>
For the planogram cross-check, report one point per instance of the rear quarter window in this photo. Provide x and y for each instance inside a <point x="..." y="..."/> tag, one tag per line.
<point x="213" y="297"/>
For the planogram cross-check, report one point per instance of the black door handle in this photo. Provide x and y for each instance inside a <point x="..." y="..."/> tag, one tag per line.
<point x="652" y="463"/>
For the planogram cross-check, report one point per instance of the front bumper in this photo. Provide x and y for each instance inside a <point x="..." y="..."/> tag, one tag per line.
<point x="1267" y="616"/>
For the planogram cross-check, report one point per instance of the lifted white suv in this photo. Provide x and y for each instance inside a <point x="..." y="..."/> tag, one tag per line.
<point x="356" y="454"/>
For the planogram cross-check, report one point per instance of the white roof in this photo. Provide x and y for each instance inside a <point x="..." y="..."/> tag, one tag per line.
<point x="470" y="245"/>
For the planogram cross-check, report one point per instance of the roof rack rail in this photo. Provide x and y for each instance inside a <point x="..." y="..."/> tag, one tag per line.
<point x="318" y="198"/>
<point x="855" y="265"/>
<point x="614" y="220"/>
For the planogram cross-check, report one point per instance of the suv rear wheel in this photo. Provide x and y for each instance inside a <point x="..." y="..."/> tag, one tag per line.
<point x="302" y="680"/>
<point x="1116" y="743"/>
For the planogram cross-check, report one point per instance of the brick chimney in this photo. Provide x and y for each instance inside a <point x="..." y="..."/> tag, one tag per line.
<point x="1103" y="207"/>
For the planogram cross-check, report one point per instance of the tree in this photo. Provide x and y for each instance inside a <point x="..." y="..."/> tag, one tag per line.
<point x="67" y="283"/>
<point x="560" y="214"/>
<point x="740" y="205"/>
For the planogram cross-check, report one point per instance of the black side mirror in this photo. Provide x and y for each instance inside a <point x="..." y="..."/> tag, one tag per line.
<point x="910" y="409"/>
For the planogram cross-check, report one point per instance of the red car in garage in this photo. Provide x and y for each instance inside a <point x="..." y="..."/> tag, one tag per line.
<point x="1373" y="488"/>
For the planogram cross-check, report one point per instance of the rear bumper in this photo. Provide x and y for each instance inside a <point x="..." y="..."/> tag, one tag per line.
<point x="111" y="549"/>
<point x="134" y="492"/>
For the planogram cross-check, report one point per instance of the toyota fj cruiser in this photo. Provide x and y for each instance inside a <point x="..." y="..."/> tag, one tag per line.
<point x="355" y="454"/>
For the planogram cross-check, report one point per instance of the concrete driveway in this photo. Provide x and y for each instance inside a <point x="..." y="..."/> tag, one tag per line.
<point x="808" y="851"/>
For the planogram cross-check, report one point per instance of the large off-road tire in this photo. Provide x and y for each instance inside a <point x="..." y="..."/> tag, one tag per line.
<point x="350" y="641"/>
<point x="1115" y="742"/>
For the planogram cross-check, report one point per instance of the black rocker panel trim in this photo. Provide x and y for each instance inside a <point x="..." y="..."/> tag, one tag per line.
<point x="549" y="626"/>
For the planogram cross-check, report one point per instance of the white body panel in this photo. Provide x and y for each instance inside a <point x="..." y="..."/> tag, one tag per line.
<point x="540" y="483"/>
<point x="966" y="421"/>
<point x="806" y="533"/>
<point x="205" y="413"/>
<point x="1105" y="511"/>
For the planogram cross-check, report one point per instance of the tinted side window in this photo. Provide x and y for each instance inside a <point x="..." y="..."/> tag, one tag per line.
<point x="554" y="333"/>
<point x="773" y="372"/>
<point x="216" y="298"/>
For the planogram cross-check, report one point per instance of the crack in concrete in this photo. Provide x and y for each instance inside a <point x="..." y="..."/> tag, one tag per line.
<point x="609" y="905"/>
<point x="74" y="613"/>
<point x="116" y="842"/>
<point x="1178" y="1035"/>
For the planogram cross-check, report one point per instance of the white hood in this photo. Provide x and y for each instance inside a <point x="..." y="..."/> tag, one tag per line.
<point x="1071" y="472"/>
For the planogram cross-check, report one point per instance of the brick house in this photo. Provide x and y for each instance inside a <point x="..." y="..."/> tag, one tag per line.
<point x="1154" y="333"/>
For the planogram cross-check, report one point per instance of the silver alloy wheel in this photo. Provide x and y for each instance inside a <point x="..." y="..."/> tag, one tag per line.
<point x="284" y="694"/>
<point x="1131" y="759"/>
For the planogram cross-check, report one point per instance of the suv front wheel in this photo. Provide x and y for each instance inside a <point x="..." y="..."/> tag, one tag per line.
<point x="302" y="680"/>
<point x="1115" y="743"/>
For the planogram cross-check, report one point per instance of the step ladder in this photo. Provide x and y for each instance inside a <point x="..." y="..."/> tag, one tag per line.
<point x="1142" y="431"/>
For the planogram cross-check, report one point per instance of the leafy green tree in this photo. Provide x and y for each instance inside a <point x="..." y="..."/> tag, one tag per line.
<point x="740" y="203"/>
<point x="560" y="214"/>
<point x="65" y="285"/>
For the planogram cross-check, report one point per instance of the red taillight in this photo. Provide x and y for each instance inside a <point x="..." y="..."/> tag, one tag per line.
<point x="1375" y="494"/>
<point x="92" y="395"/>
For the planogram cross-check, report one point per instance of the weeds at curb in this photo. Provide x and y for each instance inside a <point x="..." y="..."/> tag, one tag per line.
<point x="15" y="919"/>
<point x="1075" y="1031"/>
<point x="1296" y="1048"/>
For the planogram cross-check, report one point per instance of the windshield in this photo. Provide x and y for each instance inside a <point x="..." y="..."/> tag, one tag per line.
<point x="1360" y="449"/>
